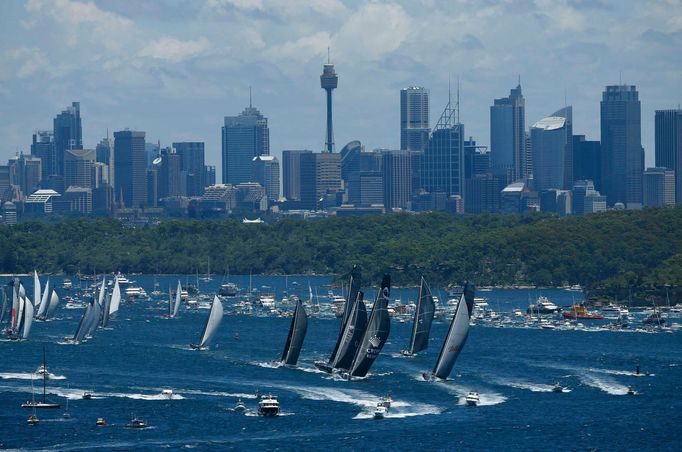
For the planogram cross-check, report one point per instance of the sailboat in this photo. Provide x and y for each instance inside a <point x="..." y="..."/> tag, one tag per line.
<point x="215" y="316"/>
<point x="115" y="298"/>
<point x="44" y="403"/>
<point x="4" y="305"/>
<point x="423" y="317"/>
<point x="207" y="278"/>
<point x="178" y="299"/>
<point x="297" y="330"/>
<point x="36" y="289"/>
<point x="456" y="337"/>
<point x="44" y="302"/>
<point x="88" y="323"/>
<point x="351" y="301"/>
<point x="376" y="334"/>
<point x="22" y="313"/>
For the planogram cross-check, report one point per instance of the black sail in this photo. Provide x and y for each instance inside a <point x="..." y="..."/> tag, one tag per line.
<point x="423" y="317"/>
<point x="376" y="334"/>
<point x="353" y="289"/>
<point x="457" y="334"/>
<point x="297" y="330"/>
<point x="352" y="335"/>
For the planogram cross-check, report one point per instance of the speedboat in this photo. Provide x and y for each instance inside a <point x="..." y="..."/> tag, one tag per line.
<point x="167" y="393"/>
<point x="631" y="391"/>
<point x="239" y="406"/>
<point x="472" y="399"/>
<point x="100" y="422"/>
<point x="136" y="423"/>
<point x="87" y="395"/>
<point x="42" y="371"/>
<point x="380" y="412"/>
<point x="557" y="387"/>
<point x="32" y="419"/>
<point x="268" y="406"/>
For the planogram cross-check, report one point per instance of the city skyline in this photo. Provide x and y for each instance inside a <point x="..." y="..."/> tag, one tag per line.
<point x="151" y="78"/>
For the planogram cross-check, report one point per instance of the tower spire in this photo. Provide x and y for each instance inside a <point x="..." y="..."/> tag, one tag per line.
<point x="457" y="119"/>
<point x="250" y="105"/>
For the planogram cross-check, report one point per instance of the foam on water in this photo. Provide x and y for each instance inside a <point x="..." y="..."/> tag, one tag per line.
<point x="521" y="384"/>
<point x="29" y="376"/>
<point x="486" y="398"/>
<point x="606" y="384"/>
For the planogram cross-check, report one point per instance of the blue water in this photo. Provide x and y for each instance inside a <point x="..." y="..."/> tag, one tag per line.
<point x="128" y="364"/>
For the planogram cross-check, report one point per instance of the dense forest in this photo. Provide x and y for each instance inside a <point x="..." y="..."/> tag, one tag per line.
<point x="613" y="250"/>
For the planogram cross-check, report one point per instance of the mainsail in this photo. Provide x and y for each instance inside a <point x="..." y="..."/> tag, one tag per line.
<point x="44" y="302"/>
<point x="457" y="334"/>
<point x="105" y="310"/>
<point x="28" y="319"/>
<point x="94" y="320"/>
<point x="36" y="289"/>
<point x="297" y="330"/>
<point x="54" y="302"/>
<point x="115" y="298"/>
<point x="102" y="291"/>
<point x="423" y="317"/>
<point x="79" y="335"/>
<point x="4" y="305"/>
<point x="212" y="323"/>
<point x="353" y="289"/>
<point x="376" y="334"/>
<point x="352" y="335"/>
<point x="178" y="298"/>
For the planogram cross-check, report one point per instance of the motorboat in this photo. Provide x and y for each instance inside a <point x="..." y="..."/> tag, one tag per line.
<point x="87" y="395"/>
<point x="557" y="387"/>
<point x="239" y="406"/>
<point x="380" y="412"/>
<point x="100" y="422"/>
<point x="32" y="419"/>
<point x="167" y="393"/>
<point x="228" y="290"/>
<point x="67" y="284"/>
<point x="268" y="405"/>
<point x="578" y="311"/>
<point x="631" y="391"/>
<point x="472" y="399"/>
<point x="136" y="423"/>
<point x="135" y="292"/>
<point x="543" y="306"/>
<point x="42" y="371"/>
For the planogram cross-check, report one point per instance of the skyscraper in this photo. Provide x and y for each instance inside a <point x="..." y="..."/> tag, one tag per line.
<point x="414" y="118"/>
<point x="170" y="182"/>
<point x="266" y="173"/>
<point x="244" y="137"/>
<point x="78" y="165"/>
<point x="621" y="144"/>
<point x="130" y="168"/>
<point x="291" y="173"/>
<point x="192" y="157"/>
<point x="659" y="187"/>
<point x="43" y="147"/>
<point x="669" y="145"/>
<point x="507" y="136"/>
<point x="587" y="160"/>
<point x="320" y="176"/>
<point x="397" y="179"/>
<point x="68" y="134"/>
<point x="443" y="160"/>
<point x="25" y="171"/>
<point x="552" y="156"/>
<point x="329" y="81"/>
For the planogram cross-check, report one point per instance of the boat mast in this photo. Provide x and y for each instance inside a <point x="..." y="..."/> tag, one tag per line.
<point x="44" y="374"/>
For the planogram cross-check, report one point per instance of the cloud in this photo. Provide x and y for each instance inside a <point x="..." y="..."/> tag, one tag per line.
<point x="29" y="60"/>
<point x="175" y="50"/>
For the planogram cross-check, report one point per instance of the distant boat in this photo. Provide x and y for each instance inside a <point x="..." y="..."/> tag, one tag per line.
<point x="268" y="406"/>
<point x="178" y="300"/>
<point x="215" y="316"/>
<point x="543" y="306"/>
<point x="21" y="314"/>
<point x="136" y="423"/>
<point x="472" y="399"/>
<point x="297" y="330"/>
<point x="44" y="403"/>
<point x="239" y="406"/>
<point x="423" y="317"/>
<point x="115" y="298"/>
<point x="167" y="393"/>
<point x="456" y="337"/>
<point x="383" y="407"/>
<point x="207" y="278"/>
<point x="578" y="311"/>
<point x="376" y="334"/>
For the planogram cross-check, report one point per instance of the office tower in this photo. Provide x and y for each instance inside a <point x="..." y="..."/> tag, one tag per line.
<point x="25" y="172"/>
<point x="169" y="174"/>
<point x="621" y="146"/>
<point x="152" y="181"/>
<point x="350" y="160"/>
<point x="329" y="81"/>
<point x="192" y="157"/>
<point x="483" y="193"/>
<point x="4" y="181"/>
<point x="104" y="151"/>
<point x="507" y="136"/>
<point x="266" y="173"/>
<point x="291" y="173"/>
<point x="130" y="168"/>
<point x="78" y="164"/>
<point x="552" y="151"/>
<point x="397" y="178"/>
<point x="370" y="189"/>
<point x="75" y="199"/>
<point x="68" y="134"/>
<point x="43" y="147"/>
<point x="586" y="199"/>
<point x="476" y="159"/>
<point x="556" y="201"/>
<point x="244" y="137"/>
<point x="414" y="118"/>
<point x="320" y="176"/>
<point x="659" y="187"/>
<point x="669" y="145"/>
<point x="587" y="160"/>
<point x="9" y="213"/>
<point x="442" y="168"/>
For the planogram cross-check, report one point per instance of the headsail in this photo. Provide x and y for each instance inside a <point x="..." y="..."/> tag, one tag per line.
<point x="297" y="330"/>
<point x="352" y="335"/>
<point x="423" y="317"/>
<point x="54" y="302"/>
<point x="105" y="310"/>
<point x="353" y="289"/>
<point x="115" y="298"/>
<point x="457" y="334"/>
<point x="82" y="329"/>
<point x="28" y="319"/>
<point x="36" y="289"/>
<point x="376" y="334"/>
<point x="102" y="291"/>
<point x="4" y="304"/>
<point x="44" y="303"/>
<point x="178" y="298"/>
<point x="94" y="320"/>
<point x="215" y="316"/>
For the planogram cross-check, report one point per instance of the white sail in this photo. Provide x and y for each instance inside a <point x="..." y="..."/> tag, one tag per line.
<point x="22" y="291"/>
<point x="44" y="302"/>
<point x="102" y="291"/>
<point x="28" y="318"/>
<point x="178" y="298"/>
<point x="115" y="298"/>
<point x="36" y="289"/>
<point x="54" y="302"/>
<point x="212" y="323"/>
<point x="93" y="319"/>
<point x="20" y="315"/>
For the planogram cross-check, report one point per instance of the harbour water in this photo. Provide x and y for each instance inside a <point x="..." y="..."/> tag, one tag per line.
<point x="128" y="364"/>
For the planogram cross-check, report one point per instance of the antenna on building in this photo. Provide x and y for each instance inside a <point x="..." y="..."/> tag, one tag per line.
<point x="457" y="119"/>
<point x="620" y="77"/>
<point x="329" y="58"/>
<point x="250" y="97"/>
<point x="519" y="79"/>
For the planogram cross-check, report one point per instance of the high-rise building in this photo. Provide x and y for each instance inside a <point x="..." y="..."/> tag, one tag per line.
<point x="4" y="181"/>
<point x="169" y="174"/>
<point x="659" y="187"/>
<point x="104" y="153"/>
<point x="442" y="168"/>
<point x="68" y="134"/>
<point x="244" y="137"/>
<point x="621" y="146"/>
<point x="586" y="199"/>
<point x="397" y="179"/>
<point x="130" y="168"/>
<point x="552" y="151"/>
<point x="669" y="145"/>
<point x="266" y="173"/>
<point x="329" y="81"/>
<point x="192" y="157"/>
<point x="43" y="147"/>
<point x="291" y="173"/>
<point x="414" y="118"/>
<point x="587" y="160"/>
<point x="507" y="136"/>
<point x="78" y="165"/>
<point x="209" y="175"/>
<point x="25" y="171"/>
<point x="320" y="177"/>
<point x="476" y="159"/>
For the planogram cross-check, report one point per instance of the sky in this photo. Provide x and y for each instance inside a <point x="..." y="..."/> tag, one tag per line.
<point x="175" y="68"/>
